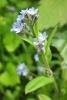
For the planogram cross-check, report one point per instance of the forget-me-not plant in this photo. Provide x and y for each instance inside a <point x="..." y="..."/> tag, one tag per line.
<point x="24" y="25"/>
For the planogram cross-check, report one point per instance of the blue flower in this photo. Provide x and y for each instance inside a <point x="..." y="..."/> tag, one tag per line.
<point x="32" y="11"/>
<point x="40" y="68"/>
<point x="42" y="37"/>
<point x="36" y="58"/>
<point x="23" y="12"/>
<point x="40" y="42"/>
<point x="22" y="15"/>
<point x="22" y="69"/>
<point x="17" y="27"/>
<point x="20" y="18"/>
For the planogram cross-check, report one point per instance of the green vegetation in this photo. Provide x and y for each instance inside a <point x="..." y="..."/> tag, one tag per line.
<point x="15" y="51"/>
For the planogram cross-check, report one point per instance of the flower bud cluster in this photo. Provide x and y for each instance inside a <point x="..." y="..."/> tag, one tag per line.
<point x="40" y="42"/>
<point x="26" y="19"/>
<point x="49" y="72"/>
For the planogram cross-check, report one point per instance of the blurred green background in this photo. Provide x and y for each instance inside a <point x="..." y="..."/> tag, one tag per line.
<point x="14" y="51"/>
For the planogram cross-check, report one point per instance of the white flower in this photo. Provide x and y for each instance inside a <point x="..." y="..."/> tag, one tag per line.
<point x="32" y="11"/>
<point x="40" y="68"/>
<point x="17" y="27"/>
<point x="36" y="58"/>
<point x="22" y="69"/>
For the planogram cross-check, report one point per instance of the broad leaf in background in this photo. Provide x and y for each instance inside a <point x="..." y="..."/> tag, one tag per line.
<point x="43" y="97"/>
<point x="60" y="42"/>
<point x="3" y="3"/>
<point x="37" y="83"/>
<point x="11" y="42"/>
<point x="51" y="13"/>
<point x="9" y="77"/>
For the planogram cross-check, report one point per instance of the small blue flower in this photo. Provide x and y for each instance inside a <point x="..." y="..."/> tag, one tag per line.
<point x="20" y="18"/>
<point x="17" y="27"/>
<point x="23" y="12"/>
<point x="40" y="42"/>
<point x="36" y="41"/>
<point x="36" y="58"/>
<point x="40" y="68"/>
<point x="22" y="15"/>
<point x="32" y="11"/>
<point x="22" y="69"/>
<point x="42" y="37"/>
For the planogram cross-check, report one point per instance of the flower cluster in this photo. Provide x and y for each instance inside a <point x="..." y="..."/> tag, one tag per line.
<point x="22" y="69"/>
<point x="25" y="20"/>
<point x="40" y="42"/>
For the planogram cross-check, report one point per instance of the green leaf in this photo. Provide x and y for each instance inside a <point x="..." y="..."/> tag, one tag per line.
<point x="50" y="39"/>
<point x="60" y="42"/>
<point x="51" y="13"/>
<point x="28" y="41"/>
<point x="3" y="3"/>
<point x="64" y="71"/>
<point x="43" y="97"/>
<point x="36" y="29"/>
<point x="37" y="83"/>
<point x="9" y="77"/>
<point x="11" y="42"/>
<point x="9" y="95"/>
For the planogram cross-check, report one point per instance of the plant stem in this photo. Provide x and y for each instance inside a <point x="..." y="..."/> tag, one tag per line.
<point x="33" y="31"/>
<point x="33" y="74"/>
<point x="47" y="66"/>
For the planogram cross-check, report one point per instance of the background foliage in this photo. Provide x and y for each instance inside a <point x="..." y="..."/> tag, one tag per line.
<point x="14" y="51"/>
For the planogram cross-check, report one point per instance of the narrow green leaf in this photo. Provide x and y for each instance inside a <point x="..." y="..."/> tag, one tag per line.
<point x="43" y="97"/>
<point x="37" y="83"/>
<point x="50" y="39"/>
<point x="28" y="41"/>
<point x="36" y="29"/>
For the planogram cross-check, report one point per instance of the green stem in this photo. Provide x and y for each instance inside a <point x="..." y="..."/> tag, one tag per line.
<point x="47" y="66"/>
<point x="33" y="74"/>
<point x="33" y="31"/>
